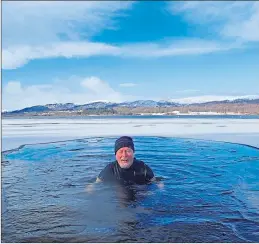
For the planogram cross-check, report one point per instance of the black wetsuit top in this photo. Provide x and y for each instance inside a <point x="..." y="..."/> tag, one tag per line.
<point x="138" y="173"/>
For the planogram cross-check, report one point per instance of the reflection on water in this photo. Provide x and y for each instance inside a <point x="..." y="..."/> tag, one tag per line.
<point x="210" y="194"/>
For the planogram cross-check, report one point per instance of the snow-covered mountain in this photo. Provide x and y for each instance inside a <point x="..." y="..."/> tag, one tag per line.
<point x="134" y="104"/>
<point x="215" y="99"/>
<point x="60" y="106"/>
<point x="147" y="103"/>
<point x="95" y="105"/>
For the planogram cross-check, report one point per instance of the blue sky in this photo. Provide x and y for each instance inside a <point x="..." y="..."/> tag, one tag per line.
<point x="57" y="52"/>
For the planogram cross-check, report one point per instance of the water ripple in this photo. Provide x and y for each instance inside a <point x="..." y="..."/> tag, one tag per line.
<point x="210" y="193"/>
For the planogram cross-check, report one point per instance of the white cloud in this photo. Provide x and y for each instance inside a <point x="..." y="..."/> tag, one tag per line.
<point x="209" y="98"/>
<point x="187" y="91"/>
<point x="174" y="48"/>
<point x="230" y="19"/>
<point x="13" y="87"/>
<point x="17" y="96"/>
<point x="14" y="57"/>
<point x="85" y="90"/>
<point x="38" y="22"/>
<point x="98" y="86"/>
<point x="47" y="29"/>
<point x="17" y="56"/>
<point x="247" y="29"/>
<point x="128" y="84"/>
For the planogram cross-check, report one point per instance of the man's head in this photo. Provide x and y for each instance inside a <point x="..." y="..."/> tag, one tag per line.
<point x="124" y="151"/>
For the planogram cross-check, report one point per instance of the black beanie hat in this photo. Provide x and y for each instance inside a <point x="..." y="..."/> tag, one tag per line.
<point x="124" y="141"/>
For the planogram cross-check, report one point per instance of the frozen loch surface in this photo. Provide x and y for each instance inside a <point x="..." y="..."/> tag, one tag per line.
<point x="17" y="132"/>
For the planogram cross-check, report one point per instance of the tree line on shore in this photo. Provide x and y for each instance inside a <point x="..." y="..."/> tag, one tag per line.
<point x="248" y="109"/>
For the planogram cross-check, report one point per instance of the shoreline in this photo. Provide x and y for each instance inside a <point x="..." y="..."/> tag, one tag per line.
<point x="19" y="132"/>
<point x="176" y="115"/>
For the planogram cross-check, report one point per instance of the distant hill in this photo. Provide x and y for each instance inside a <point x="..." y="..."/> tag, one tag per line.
<point x="250" y="106"/>
<point x="94" y="105"/>
<point x="236" y="101"/>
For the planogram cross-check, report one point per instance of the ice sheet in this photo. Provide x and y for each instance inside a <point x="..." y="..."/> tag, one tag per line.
<point x="17" y="132"/>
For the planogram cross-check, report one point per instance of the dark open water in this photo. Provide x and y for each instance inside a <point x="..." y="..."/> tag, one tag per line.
<point x="210" y="194"/>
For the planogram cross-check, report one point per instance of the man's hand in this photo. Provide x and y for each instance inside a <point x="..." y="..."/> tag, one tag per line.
<point x="153" y="179"/>
<point x="159" y="183"/>
<point x="90" y="188"/>
<point x="98" y="180"/>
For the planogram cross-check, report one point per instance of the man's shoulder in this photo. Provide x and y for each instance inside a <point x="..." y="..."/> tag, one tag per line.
<point x="139" y="163"/>
<point x="142" y="164"/>
<point x="107" y="172"/>
<point x="110" y="165"/>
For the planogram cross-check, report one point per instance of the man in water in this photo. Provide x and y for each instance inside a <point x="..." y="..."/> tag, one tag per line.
<point x="126" y="169"/>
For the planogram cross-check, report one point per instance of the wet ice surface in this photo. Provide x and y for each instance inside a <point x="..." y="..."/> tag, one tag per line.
<point x="238" y="129"/>
<point x="210" y="194"/>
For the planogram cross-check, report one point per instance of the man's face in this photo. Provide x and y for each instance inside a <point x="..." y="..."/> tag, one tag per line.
<point x="125" y="157"/>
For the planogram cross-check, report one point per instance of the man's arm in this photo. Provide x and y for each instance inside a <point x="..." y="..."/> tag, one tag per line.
<point x="100" y="178"/>
<point x="89" y="188"/>
<point x="151" y="177"/>
<point x="149" y="174"/>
